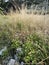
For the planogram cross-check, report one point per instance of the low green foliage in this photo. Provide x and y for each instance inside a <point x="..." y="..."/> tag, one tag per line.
<point x="34" y="49"/>
<point x="5" y="54"/>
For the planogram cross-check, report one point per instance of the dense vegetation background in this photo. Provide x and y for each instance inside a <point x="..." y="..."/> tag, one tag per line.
<point x="28" y="32"/>
<point x="7" y="5"/>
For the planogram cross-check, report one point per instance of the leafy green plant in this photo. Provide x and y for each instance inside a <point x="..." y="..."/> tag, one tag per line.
<point x="5" y="54"/>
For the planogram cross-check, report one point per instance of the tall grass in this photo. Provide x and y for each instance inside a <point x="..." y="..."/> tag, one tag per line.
<point x="26" y="23"/>
<point x="37" y="22"/>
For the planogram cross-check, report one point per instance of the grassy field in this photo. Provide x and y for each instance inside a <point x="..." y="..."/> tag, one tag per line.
<point x="29" y="28"/>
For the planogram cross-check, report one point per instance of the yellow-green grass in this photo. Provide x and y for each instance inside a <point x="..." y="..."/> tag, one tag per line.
<point x="25" y="23"/>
